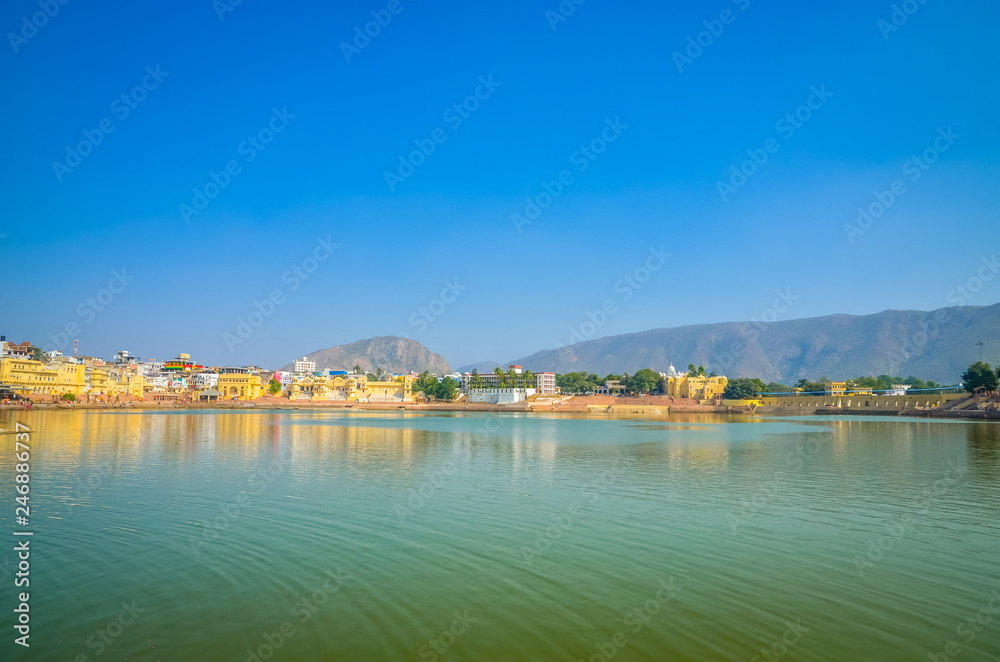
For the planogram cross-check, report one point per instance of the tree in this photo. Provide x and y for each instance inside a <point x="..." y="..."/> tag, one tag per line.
<point x="643" y="381"/>
<point x="378" y="374"/>
<point x="529" y="379"/>
<point x="274" y="386"/>
<point x="574" y="383"/>
<point x="357" y="369"/>
<point x="692" y="371"/>
<point x="743" y="388"/>
<point x="475" y="381"/>
<point x="775" y="387"/>
<point x="68" y="397"/>
<point x="498" y="371"/>
<point x="447" y="388"/>
<point x="36" y="354"/>
<point x="980" y="375"/>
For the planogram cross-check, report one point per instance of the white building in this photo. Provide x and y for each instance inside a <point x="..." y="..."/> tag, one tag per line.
<point x="206" y="380"/>
<point x="899" y="389"/>
<point x="544" y="383"/>
<point x="305" y="365"/>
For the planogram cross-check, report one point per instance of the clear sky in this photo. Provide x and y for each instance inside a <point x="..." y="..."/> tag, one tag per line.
<point x="311" y="136"/>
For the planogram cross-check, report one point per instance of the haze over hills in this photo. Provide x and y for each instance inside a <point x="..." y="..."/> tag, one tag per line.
<point x="391" y="353"/>
<point x="937" y="345"/>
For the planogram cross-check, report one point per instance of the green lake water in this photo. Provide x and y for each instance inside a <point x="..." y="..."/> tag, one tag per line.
<point x="301" y="535"/>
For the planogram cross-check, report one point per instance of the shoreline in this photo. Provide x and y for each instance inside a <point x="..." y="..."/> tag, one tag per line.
<point x="613" y="410"/>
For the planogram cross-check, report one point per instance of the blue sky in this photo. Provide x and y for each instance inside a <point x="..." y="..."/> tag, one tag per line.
<point x="551" y="92"/>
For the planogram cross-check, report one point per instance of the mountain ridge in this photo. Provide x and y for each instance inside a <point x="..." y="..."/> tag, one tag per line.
<point x="937" y="344"/>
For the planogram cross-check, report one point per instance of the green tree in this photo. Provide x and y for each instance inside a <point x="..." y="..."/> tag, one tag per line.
<point x="274" y="386"/>
<point x="475" y="381"/>
<point x="743" y="388"/>
<point x="644" y="381"/>
<point x="980" y="375"/>
<point x="36" y="354"/>
<point x="446" y="389"/>
<point x="68" y="397"/>
<point x="775" y="387"/>
<point x="529" y="379"/>
<point x="357" y="369"/>
<point x="573" y="383"/>
<point x="498" y="371"/>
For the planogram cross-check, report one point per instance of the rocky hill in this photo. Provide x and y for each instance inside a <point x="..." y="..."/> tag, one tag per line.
<point x="390" y="353"/>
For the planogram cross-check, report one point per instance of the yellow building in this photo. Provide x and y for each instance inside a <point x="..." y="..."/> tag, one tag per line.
<point x="836" y="388"/>
<point x="350" y="388"/>
<point x="27" y="377"/>
<point x="695" y="388"/>
<point x="239" y="384"/>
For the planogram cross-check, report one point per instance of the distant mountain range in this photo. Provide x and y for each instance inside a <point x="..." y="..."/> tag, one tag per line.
<point x="390" y="353"/>
<point x="937" y="345"/>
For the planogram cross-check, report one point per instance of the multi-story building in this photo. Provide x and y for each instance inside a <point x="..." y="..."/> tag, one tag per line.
<point x="206" y="380"/>
<point x="9" y="350"/>
<point x="240" y="383"/>
<point x="545" y="383"/>
<point x="350" y="388"/>
<point x="696" y="387"/>
<point x="835" y="388"/>
<point x="305" y="365"/>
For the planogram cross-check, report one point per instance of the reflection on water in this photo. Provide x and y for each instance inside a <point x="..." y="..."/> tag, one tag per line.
<point x="392" y="535"/>
<point x="984" y="445"/>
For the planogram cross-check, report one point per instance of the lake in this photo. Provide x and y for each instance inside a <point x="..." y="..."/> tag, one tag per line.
<point x="317" y="535"/>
